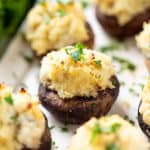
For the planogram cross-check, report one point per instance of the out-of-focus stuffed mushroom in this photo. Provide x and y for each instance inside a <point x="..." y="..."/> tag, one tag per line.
<point x="122" y="18"/>
<point x="22" y="124"/>
<point x="143" y="43"/>
<point x="52" y="25"/>
<point x="108" y="133"/>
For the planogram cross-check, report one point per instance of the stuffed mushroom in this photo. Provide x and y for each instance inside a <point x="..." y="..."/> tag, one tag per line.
<point x="144" y="110"/>
<point x="53" y="25"/>
<point x="108" y="133"/>
<point x="122" y="18"/>
<point x="143" y="42"/>
<point x="77" y="83"/>
<point x="22" y="125"/>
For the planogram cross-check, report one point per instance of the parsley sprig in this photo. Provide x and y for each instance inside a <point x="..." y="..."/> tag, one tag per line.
<point x="9" y="99"/>
<point x="76" y="52"/>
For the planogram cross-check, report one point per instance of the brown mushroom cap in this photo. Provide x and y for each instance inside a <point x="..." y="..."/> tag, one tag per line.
<point x="77" y="110"/>
<point x="111" y="25"/>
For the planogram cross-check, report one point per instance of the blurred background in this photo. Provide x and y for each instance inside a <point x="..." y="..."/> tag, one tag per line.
<point x="12" y="13"/>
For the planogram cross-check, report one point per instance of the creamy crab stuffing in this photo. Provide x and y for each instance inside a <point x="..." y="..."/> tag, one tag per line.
<point x="143" y="40"/>
<point x="21" y="122"/>
<point x="123" y="10"/>
<point x="53" y="25"/>
<point x="108" y="133"/>
<point x="76" y="71"/>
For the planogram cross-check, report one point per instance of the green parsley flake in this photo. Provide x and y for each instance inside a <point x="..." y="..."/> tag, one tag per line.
<point x="115" y="127"/>
<point x="64" y="1"/>
<point x="112" y="147"/>
<point x="54" y="146"/>
<point x="98" y="63"/>
<point x="68" y="50"/>
<point x="114" y="82"/>
<point x="51" y="127"/>
<point x="79" y="46"/>
<point x="125" y="63"/>
<point x="76" y="53"/>
<point x="14" y="118"/>
<point x="126" y="117"/>
<point x="113" y="46"/>
<point x="60" y="13"/>
<point x="41" y="2"/>
<point x="9" y="99"/>
<point x="27" y="57"/>
<point x="133" y="91"/>
<point x="122" y="83"/>
<point x="84" y="3"/>
<point x="64" y="129"/>
<point x="98" y="129"/>
<point x="46" y="19"/>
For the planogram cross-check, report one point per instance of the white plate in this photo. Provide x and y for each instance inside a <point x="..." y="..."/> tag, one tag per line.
<point x="16" y="71"/>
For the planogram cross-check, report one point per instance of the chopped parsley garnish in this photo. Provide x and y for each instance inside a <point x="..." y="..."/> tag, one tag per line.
<point x="27" y="57"/>
<point x="79" y="46"/>
<point x="125" y="63"/>
<point x="133" y="91"/>
<point x="51" y="127"/>
<point x="64" y="129"/>
<point x="76" y="53"/>
<point x="98" y="63"/>
<point x="110" y="47"/>
<point x="64" y="1"/>
<point x="46" y="19"/>
<point x="84" y="3"/>
<point x="14" y="118"/>
<point x="114" y="82"/>
<point x="9" y="99"/>
<point x="54" y="146"/>
<point x="115" y="127"/>
<point x="98" y="129"/>
<point x="141" y="85"/>
<point x="23" y="36"/>
<point x="41" y="1"/>
<point x="122" y="83"/>
<point x="112" y="147"/>
<point x="129" y="120"/>
<point x="60" y="13"/>
<point x="67" y="50"/>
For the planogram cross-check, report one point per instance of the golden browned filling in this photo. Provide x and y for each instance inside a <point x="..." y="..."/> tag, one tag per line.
<point x="143" y="40"/>
<point x="76" y="71"/>
<point x="145" y="105"/>
<point x="124" y="10"/>
<point x="108" y="133"/>
<point x="21" y="122"/>
<point x="54" y="25"/>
